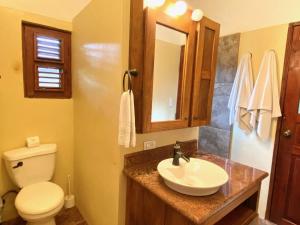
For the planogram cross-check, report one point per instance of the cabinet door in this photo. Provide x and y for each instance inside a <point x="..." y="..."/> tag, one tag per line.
<point x="168" y="70"/>
<point x="204" y="74"/>
<point x="143" y="207"/>
<point x="173" y="217"/>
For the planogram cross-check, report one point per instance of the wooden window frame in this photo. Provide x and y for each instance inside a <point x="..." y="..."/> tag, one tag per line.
<point x="31" y="61"/>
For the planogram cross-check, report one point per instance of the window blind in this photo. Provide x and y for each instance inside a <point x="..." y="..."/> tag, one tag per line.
<point x="48" y="48"/>
<point x="49" y="77"/>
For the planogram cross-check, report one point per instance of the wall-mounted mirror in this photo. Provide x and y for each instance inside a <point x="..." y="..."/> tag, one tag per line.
<point x="168" y="72"/>
<point x="176" y="58"/>
<point x="168" y="66"/>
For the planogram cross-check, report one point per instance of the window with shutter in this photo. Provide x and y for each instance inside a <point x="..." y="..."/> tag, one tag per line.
<point x="47" y="62"/>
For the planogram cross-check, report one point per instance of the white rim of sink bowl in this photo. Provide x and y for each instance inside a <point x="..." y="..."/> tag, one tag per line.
<point x="167" y="164"/>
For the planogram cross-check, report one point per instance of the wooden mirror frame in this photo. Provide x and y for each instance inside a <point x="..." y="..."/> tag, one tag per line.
<point x="196" y="77"/>
<point x="182" y="24"/>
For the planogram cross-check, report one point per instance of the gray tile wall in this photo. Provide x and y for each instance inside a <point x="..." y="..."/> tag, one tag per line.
<point x="215" y="138"/>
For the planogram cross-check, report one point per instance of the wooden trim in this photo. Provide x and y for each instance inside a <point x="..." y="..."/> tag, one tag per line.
<point x="149" y="52"/>
<point x="182" y="24"/>
<point x="45" y="27"/>
<point x="185" y="25"/>
<point x="30" y="61"/>
<point x="295" y="24"/>
<point x="280" y="120"/>
<point x="179" y="92"/>
<point x="200" y="74"/>
<point x="141" y="85"/>
<point x="168" y="125"/>
<point x="136" y="58"/>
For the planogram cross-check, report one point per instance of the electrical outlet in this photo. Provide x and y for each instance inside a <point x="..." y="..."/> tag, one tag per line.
<point x="149" y="145"/>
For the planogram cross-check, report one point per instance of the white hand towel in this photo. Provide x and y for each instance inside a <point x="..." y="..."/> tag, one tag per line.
<point x="132" y="122"/>
<point x="264" y="101"/>
<point x="240" y="95"/>
<point x="127" y="135"/>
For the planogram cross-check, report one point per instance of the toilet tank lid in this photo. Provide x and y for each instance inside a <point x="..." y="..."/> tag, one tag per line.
<point x="23" y="153"/>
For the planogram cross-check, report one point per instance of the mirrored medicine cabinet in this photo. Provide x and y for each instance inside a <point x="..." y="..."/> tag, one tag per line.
<point x="176" y="61"/>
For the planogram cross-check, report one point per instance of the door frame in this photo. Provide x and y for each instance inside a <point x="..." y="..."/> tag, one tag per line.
<point x="280" y="120"/>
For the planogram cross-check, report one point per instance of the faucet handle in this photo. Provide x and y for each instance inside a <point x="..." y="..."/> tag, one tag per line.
<point x="177" y="154"/>
<point x="177" y="148"/>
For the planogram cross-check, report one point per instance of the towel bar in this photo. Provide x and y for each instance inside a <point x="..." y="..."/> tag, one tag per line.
<point x="129" y="73"/>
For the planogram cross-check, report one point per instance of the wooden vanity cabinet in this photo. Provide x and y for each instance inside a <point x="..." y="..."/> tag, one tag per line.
<point x="144" y="208"/>
<point x="196" y="82"/>
<point x="149" y="201"/>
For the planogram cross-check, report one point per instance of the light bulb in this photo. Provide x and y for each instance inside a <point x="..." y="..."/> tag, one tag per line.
<point x="180" y="7"/>
<point x="154" y="3"/>
<point x="171" y="10"/>
<point x="197" y="15"/>
<point x="177" y="9"/>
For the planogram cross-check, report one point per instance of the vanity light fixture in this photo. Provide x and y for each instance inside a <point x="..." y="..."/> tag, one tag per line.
<point x="177" y="9"/>
<point x="180" y="7"/>
<point x="170" y="11"/>
<point x="197" y="15"/>
<point x="153" y="3"/>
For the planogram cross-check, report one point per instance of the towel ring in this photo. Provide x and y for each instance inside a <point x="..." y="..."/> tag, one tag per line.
<point x="129" y="73"/>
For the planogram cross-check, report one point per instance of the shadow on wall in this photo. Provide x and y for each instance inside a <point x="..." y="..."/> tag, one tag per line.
<point x="215" y="138"/>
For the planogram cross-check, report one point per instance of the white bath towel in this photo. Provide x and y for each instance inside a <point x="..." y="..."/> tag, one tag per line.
<point x="264" y="101"/>
<point x="127" y="132"/>
<point x="240" y="95"/>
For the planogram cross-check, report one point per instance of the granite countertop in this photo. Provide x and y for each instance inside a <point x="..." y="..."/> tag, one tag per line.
<point x="198" y="209"/>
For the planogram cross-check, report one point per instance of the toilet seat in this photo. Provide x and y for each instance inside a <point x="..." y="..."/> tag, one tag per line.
<point x="39" y="198"/>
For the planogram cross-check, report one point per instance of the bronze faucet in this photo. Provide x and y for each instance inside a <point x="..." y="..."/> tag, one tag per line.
<point x="177" y="154"/>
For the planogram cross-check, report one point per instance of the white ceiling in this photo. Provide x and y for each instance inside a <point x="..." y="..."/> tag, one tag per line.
<point x="245" y="15"/>
<point x="233" y="15"/>
<point x="60" y="9"/>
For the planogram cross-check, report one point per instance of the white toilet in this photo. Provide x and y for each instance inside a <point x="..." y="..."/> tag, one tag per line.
<point x="31" y="169"/>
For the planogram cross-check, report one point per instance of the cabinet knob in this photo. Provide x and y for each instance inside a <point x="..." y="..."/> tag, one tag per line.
<point x="287" y="133"/>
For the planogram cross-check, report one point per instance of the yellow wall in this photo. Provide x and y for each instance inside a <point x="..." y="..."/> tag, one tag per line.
<point x="21" y="117"/>
<point x="248" y="149"/>
<point x="100" y="55"/>
<point x="166" y="71"/>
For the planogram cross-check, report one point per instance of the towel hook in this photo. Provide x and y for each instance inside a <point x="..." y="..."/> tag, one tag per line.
<point x="129" y="73"/>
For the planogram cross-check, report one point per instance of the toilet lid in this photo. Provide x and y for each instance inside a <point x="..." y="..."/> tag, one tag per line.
<point x="39" y="198"/>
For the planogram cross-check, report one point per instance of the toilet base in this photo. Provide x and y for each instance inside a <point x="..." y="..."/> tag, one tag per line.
<point x="50" y="221"/>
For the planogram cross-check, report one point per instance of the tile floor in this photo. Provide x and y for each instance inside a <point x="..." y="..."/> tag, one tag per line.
<point x="65" y="217"/>
<point x="73" y="217"/>
<point x="261" y="222"/>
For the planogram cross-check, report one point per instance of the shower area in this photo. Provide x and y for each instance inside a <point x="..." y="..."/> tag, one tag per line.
<point x="215" y="138"/>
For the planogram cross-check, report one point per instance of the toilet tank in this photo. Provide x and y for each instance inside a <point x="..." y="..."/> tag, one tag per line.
<point x="27" y="166"/>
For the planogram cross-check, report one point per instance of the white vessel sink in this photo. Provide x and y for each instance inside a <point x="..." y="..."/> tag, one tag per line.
<point x="197" y="177"/>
